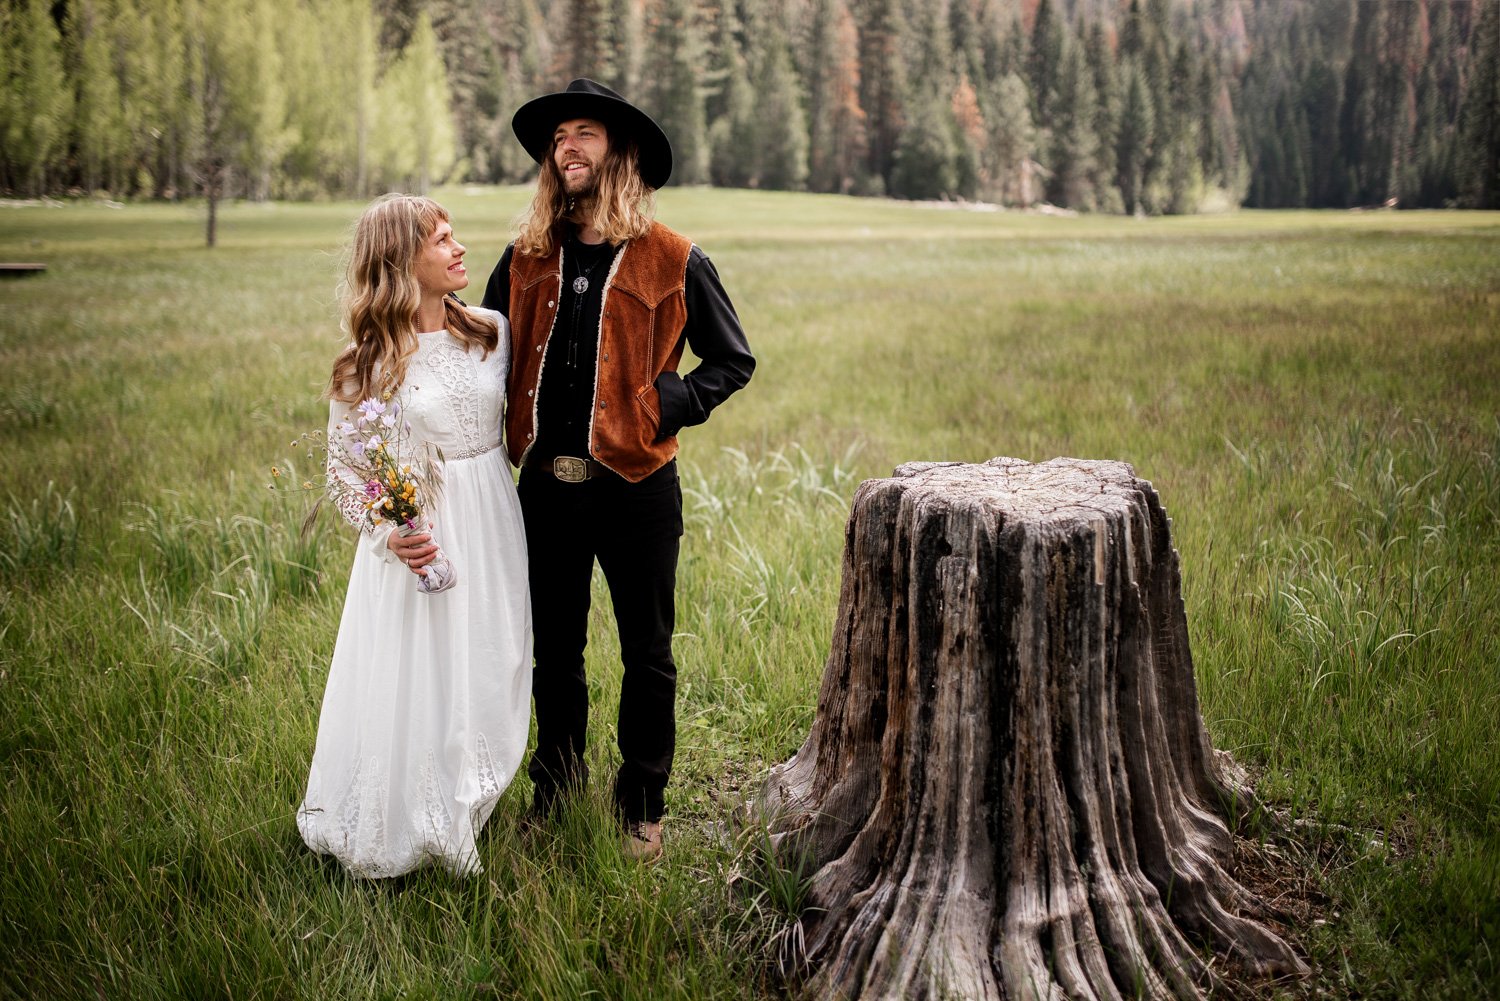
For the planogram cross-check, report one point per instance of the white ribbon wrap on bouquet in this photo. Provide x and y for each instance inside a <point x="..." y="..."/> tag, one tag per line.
<point x="440" y="573"/>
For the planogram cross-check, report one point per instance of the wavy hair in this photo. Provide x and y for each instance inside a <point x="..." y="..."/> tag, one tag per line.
<point x="380" y="298"/>
<point x="620" y="208"/>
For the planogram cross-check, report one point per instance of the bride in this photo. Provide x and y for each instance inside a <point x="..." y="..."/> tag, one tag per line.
<point x="426" y="711"/>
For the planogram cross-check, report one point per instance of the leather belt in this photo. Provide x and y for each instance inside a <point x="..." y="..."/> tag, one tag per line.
<point x="570" y="469"/>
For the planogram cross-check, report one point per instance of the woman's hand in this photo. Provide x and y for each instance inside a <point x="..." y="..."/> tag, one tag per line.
<point x="416" y="551"/>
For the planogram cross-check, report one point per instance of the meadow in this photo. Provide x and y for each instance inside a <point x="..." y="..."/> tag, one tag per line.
<point x="1314" y="395"/>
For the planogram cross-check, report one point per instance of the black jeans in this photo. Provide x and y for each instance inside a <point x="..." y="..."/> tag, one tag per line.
<point x="634" y="530"/>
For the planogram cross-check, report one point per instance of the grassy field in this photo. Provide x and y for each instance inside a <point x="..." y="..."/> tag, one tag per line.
<point x="1314" y="395"/>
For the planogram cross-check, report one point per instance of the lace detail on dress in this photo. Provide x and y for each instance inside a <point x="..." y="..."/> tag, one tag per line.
<point x="356" y="833"/>
<point x="491" y="783"/>
<point x="357" y="830"/>
<point x="455" y="370"/>
<point x="347" y="504"/>
<point x="436" y="820"/>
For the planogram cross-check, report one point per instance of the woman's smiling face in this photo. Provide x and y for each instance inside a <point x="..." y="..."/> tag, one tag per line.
<point x="439" y="267"/>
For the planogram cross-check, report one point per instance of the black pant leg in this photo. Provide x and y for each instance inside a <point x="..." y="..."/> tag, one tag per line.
<point x="638" y="551"/>
<point x="561" y="565"/>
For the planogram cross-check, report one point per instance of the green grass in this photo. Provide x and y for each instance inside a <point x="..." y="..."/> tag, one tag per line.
<point x="1313" y="394"/>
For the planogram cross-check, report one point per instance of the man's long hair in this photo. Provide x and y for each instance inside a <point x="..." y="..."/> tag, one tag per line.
<point x="381" y="298"/>
<point x="620" y="208"/>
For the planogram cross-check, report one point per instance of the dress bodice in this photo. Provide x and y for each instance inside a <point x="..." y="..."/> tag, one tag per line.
<point x="454" y="398"/>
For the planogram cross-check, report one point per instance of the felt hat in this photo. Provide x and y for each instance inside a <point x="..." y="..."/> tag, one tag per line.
<point x="537" y="119"/>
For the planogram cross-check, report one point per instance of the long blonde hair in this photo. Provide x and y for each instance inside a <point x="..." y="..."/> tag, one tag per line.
<point x="380" y="299"/>
<point x="620" y="208"/>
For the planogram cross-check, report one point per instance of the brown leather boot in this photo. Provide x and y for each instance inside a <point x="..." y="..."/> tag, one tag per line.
<point x="642" y="840"/>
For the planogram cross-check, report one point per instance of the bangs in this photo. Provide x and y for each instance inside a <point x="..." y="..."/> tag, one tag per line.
<point x="429" y="213"/>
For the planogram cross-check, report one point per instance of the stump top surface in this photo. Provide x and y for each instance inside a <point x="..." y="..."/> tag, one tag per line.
<point x="1060" y="489"/>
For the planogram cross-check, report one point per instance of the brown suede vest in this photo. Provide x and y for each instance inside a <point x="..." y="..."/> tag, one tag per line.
<point x="640" y="336"/>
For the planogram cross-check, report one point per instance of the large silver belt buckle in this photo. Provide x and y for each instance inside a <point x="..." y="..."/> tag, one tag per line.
<point x="569" y="470"/>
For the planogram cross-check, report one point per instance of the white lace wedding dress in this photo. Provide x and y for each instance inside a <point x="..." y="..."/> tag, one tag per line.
<point x="428" y="701"/>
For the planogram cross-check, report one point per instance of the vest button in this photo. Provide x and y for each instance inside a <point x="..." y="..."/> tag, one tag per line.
<point x="550" y="303"/>
<point x="603" y="405"/>
<point x="528" y="392"/>
<point x="539" y="347"/>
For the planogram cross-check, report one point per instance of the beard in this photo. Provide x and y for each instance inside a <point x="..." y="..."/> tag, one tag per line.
<point x="583" y="184"/>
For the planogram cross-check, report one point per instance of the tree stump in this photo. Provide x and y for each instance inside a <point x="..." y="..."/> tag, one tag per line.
<point x="1008" y="791"/>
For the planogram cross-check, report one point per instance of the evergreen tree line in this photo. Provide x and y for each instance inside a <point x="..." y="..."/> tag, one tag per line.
<point x="1361" y="103"/>
<point x="1156" y="106"/>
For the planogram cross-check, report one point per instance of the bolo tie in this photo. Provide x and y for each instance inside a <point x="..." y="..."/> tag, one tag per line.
<point x="580" y="286"/>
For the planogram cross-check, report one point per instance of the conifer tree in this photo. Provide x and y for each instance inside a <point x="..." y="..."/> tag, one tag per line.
<point x="1182" y="173"/>
<point x="935" y="156"/>
<point x="779" y="146"/>
<point x="969" y="133"/>
<point x="1044" y="59"/>
<point x="731" y="130"/>
<point x="626" y="42"/>
<point x="968" y="41"/>
<point x="1432" y="160"/>
<point x="1322" y="97"/>
<point x="1438" y="90"/>
<point x="1010" y="54"/>
<point x="1479" y="128"/>
<point x="1135" y="135"/>
<point x="882" y="83"/>
<point x="1365" y="161"/>
<point x="836" y="122"/>
<point x="995" y="34"/>
<point x="1100" y="60"/>
<point x="674" y="96"/>
<point x="1008" y="156"/>
<point x="1074" y="146"/>
<point x="926" y="150"/>
<point x="518" y="32"/>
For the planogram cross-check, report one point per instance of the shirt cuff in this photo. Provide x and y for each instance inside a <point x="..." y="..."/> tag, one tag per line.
<point x="378" y="538"/>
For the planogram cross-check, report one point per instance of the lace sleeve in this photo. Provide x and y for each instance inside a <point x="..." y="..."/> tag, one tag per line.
<point x="345" y="501"/>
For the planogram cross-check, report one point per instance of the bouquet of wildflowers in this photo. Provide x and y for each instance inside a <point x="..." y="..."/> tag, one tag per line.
<point x="381" y="483"/>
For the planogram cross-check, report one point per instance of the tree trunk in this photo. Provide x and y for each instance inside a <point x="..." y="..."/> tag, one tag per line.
<point x="1008" y="791"/>
<point x="211" y="191"/>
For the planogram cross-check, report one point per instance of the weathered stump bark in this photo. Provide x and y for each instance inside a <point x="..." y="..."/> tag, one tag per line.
<point x="1008" y="791"/>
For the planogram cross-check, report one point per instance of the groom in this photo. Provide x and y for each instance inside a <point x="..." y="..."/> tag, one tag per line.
<point x="601" y="301"/>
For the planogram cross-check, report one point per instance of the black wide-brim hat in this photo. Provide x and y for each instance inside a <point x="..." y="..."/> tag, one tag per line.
<point x="536" y="121"/>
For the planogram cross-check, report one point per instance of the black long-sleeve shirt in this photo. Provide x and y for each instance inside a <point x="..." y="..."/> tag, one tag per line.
<point x="565" y="397"/>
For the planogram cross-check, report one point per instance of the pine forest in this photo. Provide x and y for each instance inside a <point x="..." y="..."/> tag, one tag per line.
<point x="1120" y="106"/>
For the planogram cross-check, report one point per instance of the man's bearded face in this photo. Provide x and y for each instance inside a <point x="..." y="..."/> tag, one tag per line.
<point x="578" y="148"/>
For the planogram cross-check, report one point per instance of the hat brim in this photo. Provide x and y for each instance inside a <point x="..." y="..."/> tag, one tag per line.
<point x="535" y="122"/>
